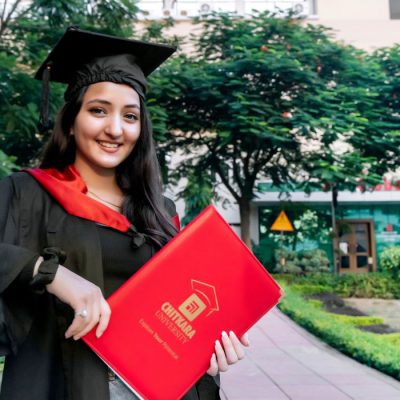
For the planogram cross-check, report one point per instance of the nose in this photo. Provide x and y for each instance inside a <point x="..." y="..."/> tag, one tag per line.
<point x="114" y="126"/>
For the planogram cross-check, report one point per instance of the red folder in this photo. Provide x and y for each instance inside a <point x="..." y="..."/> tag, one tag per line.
<point x="166" y="318"/>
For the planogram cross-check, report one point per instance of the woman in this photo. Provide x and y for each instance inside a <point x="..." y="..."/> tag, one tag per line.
<point x="67" y="240"/>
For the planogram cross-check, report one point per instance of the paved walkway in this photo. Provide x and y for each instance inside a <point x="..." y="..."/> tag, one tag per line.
<point x="286" y="362"/>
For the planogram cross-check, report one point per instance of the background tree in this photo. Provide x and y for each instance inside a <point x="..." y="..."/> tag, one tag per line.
<point x="271" y="98"/>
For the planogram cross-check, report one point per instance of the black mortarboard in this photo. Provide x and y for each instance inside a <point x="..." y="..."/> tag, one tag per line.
<point x="82" y="58"/>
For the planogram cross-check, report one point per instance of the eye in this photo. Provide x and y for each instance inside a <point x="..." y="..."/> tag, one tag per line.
<point x="97" y="111"/>
<point x="131" y="117"/>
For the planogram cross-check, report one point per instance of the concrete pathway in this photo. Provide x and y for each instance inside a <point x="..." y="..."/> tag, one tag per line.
<point x="286" y="362"/>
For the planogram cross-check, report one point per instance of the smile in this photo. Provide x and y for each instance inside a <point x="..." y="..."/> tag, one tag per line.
<point x="108" y="145"/>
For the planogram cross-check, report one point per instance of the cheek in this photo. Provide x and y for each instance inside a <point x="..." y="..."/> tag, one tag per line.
<point x="134" y="135"/>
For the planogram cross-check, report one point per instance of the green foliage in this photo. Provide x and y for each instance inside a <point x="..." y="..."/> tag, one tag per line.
<point x="389" y="260"/>
<point x="302" y="262"/>
<point x="358" y="321"/>
<point x="311" y="226"/>
<point x="368" y="348"/>
<point x="310" y="289"/>
<point x="393" y="338"/>
<point x="371" y="285"/>
<point x="257" y="90"/>
<point x="7" y="165"/>
<point x="198" y="194"/>
<point x="316" y="303"/>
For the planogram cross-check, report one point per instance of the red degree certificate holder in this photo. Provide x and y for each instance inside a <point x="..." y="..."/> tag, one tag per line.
<point x="166" y="318"/>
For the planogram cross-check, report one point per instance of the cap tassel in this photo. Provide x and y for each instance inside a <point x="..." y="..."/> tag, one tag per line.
<point x="44" y="123"/>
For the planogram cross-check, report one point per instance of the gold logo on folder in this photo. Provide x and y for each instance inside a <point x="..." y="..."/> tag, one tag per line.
<point x="192" y="307"/>
<point x="178" y="321"/>
<point x="204" y="297"/>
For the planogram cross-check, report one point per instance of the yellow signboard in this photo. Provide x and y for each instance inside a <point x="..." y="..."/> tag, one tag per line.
<point x="282" y="223"/>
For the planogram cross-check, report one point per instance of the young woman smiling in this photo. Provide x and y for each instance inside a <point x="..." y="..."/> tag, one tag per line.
<point x="75" y="229"/>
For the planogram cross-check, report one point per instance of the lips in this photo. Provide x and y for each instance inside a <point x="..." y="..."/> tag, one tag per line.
<point x="108" y="145"/>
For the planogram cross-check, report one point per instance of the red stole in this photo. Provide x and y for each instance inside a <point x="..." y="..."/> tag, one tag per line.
<point x="69" y="190"/>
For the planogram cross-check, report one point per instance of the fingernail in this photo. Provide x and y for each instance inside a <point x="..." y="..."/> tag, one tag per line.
<point x="217" y="343"/>
<point x="224" y="334"/>
<point x="76" y="337"/>
<point x="231" y="333"/>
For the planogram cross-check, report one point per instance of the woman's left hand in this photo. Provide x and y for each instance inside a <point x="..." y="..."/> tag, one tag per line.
<point x="228" y="351"/>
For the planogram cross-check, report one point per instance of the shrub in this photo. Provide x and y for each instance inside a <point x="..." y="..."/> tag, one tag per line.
<point x="307" y="289"/>
<point x="365" y="347"/>
<point x="358" y="321"/>
<point x="393" y="338"/>
<point x="302" y="262"/>
<point x="316" y="303"/>
<point x="371" y="285"/>
<point x="389" y="260"/>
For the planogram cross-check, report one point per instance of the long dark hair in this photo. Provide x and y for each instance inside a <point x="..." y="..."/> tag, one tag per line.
<point x="138" y="175"/>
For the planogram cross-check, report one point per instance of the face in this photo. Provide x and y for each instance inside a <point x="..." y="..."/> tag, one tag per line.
<point x="107" y="126"/>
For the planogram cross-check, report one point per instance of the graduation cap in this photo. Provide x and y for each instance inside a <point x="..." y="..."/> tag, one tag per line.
<point x="208" y="293"/>
<point x="81" y="58"/>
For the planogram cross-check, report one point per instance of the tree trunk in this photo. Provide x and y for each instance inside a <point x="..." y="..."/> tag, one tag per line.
<point x="244" y="208"/>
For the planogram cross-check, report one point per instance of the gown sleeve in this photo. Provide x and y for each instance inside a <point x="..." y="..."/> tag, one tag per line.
<point x="16" y="267"/>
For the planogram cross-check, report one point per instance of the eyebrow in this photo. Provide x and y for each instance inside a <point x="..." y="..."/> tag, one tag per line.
<point x="101" y="101"/>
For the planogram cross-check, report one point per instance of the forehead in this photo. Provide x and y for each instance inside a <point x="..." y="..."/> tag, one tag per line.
<point x="111" y="92"/>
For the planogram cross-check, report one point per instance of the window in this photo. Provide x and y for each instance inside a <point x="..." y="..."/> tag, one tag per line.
<point x="394" y="9"/>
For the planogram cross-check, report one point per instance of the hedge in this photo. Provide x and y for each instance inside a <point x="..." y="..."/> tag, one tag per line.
<point x="371" y="349"/>
<point x="371" y="285"/>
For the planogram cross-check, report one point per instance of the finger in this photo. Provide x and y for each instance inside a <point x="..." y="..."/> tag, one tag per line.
<point x="213" y="370"/>
<point x="229" y="350"/>
<point x="91" y="323"/>
<point x="237" y="345"/>
<point x="221" y="358"/>
<point x="245" y="340"/>
<point x="105" y="315"/>
<point x="78" y="323"/>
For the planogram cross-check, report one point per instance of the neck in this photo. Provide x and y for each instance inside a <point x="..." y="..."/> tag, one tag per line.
<point x="99" y="180"/>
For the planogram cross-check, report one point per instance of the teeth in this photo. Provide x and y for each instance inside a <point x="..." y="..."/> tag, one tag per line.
<point x="109" y="145"/>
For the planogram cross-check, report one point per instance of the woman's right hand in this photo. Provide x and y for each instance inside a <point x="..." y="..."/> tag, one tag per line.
<point x="81" y="295"/>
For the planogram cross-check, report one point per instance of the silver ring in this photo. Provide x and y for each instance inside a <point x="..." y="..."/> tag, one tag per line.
<point x="81" y="313"/>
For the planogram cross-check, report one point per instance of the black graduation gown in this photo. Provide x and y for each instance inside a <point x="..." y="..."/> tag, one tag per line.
<point x="41" y="363"/>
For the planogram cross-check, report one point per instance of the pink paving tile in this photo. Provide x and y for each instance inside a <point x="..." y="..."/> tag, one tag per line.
<point x="379" y="391"/>
<point x="352" y="379"/>
<point x="250" y="387"/>
<point x="375" y="398"/>
<point x="297" y="379"/>
<point x="285" y="367"/>
<point x="314" y="392"/>
<point x="286" y="363"/>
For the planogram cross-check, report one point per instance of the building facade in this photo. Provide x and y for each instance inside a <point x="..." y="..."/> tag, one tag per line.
<point x="366" y="223"/>
<point x="367" y="24"/>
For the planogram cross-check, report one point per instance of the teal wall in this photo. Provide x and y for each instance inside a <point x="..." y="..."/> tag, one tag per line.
<point x="382" y="215"/>
<point x="315" y="232"/>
